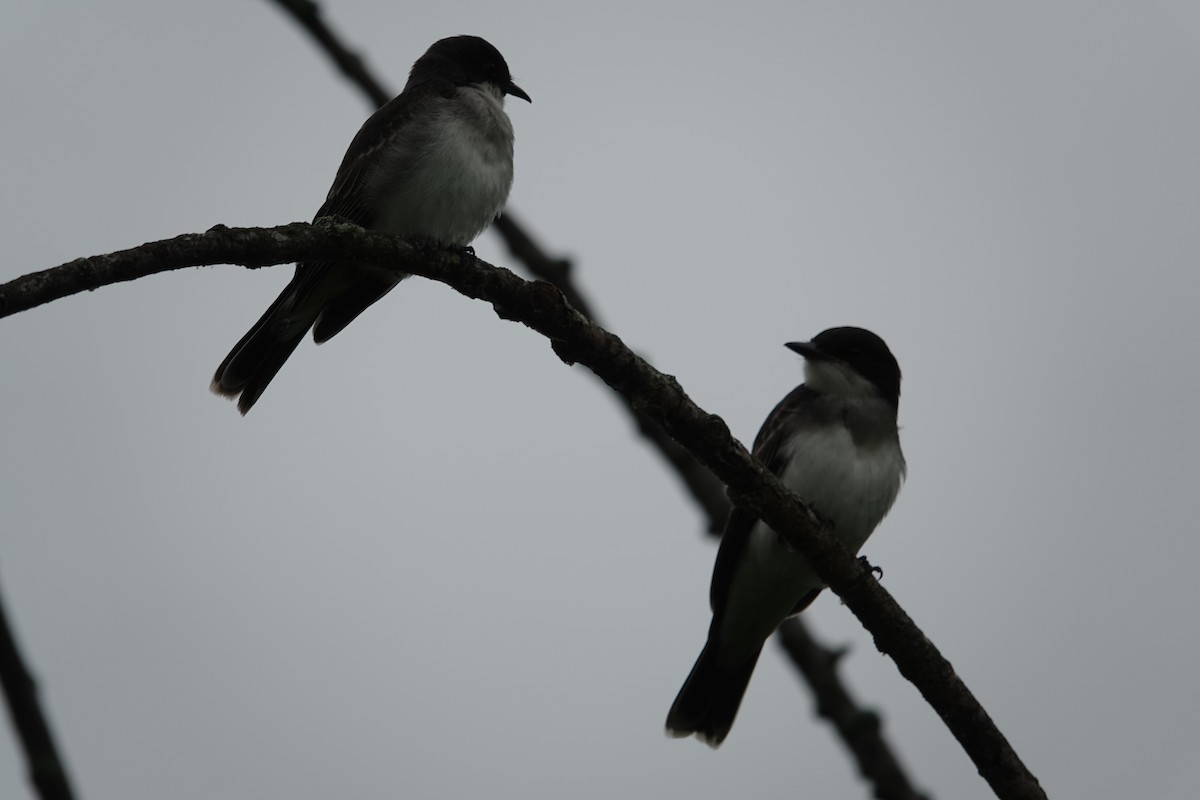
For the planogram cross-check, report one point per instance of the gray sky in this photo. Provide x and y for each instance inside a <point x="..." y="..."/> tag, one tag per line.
<point x="435" y="562"/>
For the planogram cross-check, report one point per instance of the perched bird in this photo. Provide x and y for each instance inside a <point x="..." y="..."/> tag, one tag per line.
<point x="434" y="164"/>
<point x="833" y="441"/>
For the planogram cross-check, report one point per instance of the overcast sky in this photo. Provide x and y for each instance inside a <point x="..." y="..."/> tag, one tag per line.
<point x="435" y="562"/>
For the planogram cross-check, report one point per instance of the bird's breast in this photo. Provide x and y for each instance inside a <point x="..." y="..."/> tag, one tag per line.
<point x="450" y="181"/>
<point x="852" y="484"/>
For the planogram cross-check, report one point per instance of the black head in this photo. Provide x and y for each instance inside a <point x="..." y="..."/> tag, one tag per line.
<point x="463" y="60"/>
<point x="861" y="351"/>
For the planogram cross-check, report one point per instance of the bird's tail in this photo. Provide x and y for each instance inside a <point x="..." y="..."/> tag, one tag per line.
<point x="709" y="699"/>
<point x="254" y="360"/>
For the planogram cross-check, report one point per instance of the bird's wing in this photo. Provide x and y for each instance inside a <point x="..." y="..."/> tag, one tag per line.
<point x="346" y="198"/>
<point x="768" y="448"/>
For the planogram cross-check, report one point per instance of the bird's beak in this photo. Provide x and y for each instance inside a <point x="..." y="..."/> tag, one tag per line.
<point x="807" y="349"/>
<point x="516" y="91"/>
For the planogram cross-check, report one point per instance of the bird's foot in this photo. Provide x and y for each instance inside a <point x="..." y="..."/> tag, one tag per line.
<point x="869" y="567"/>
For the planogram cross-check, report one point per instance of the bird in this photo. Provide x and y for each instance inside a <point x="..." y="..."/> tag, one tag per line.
<point x="834" y="441"/>
<point x="434" y="164"/>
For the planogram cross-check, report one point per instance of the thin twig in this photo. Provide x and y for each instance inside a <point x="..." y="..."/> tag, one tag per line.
<point x="575" y="339"/>
<point x="46" y="770"/>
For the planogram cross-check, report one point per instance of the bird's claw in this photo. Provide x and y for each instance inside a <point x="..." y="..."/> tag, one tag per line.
<point x="874" y="570"/>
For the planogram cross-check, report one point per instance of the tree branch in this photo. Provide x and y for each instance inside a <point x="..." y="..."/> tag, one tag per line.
<point x="575" y="339"/>
<point x="46" y="770"/>
<point x="703" y="487"/>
